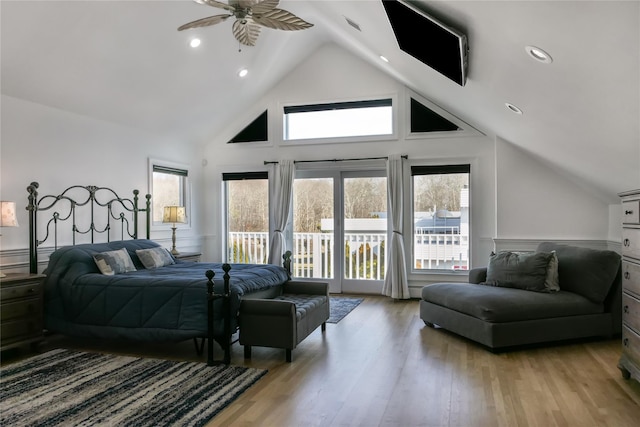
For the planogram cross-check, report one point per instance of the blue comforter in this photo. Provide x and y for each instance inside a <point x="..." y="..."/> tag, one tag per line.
<point x="166" y="303"/>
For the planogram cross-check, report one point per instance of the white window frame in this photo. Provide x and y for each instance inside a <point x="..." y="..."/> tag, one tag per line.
<point x="280" y="125"/>
<point x="409" y="219"/>
<point x="186" y="192"/>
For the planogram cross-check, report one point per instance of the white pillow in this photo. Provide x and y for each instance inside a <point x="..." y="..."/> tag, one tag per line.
<point x="114" y="262"/>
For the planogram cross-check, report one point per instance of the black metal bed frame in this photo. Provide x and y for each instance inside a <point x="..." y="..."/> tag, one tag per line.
<point x="117" y="209"/>
<point x="126" y="212"/>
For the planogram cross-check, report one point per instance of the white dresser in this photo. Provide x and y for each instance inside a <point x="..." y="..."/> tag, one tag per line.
<point x="630" y="360"/>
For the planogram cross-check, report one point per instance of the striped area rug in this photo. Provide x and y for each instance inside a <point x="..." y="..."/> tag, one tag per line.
<point x="72" y="388"/>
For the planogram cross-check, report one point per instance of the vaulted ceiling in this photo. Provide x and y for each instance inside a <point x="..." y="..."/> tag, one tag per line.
<point x="125" y="62"/>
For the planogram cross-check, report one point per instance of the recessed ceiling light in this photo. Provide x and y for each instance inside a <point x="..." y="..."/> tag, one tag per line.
<point x="194" y="42"/>
<point x="243" y="72"/>
<point x="384" y="58"/>
<point x="513" y="108"/>
<point x="539" y="54"/>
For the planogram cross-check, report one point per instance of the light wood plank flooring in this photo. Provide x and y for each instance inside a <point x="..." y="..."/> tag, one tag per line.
<point x="381" y="366"/>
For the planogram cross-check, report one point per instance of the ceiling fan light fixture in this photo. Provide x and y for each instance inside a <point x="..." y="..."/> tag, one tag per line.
<point x="243" y="72"/>
<point x="539" y="54"/>
<point x="195" y="42"/>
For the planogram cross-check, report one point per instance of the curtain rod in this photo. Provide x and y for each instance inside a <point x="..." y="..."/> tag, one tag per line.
<point x="404" y="156"/>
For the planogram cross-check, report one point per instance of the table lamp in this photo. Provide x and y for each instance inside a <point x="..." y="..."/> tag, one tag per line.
<point x="174" y="215"/>
<point x="8" y="217"/>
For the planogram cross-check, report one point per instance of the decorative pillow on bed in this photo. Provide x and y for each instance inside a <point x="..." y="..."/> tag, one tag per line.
<point x="522" y="270"/>
<point x="155" y="257"/>
<point x="114" y="262"/>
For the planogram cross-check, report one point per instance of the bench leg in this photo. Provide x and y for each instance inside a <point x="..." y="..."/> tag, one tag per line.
<point x="247" y="352"/>
<point x="324" y="326"/>
<point x="288" y="356"/>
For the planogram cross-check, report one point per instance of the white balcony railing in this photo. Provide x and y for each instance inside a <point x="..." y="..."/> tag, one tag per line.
<point x="364" y="259"/>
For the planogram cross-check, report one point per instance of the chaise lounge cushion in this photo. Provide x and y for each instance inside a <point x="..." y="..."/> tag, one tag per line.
<point x="494" y="304"/>
<point x="521" y="270"/>
<point x="585" y="271"/>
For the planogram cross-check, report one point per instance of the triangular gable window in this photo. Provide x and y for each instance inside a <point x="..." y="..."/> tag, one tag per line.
<point x="427" y="120"/>
<point x="423" y="119"/>
<point x="256" y="131"/>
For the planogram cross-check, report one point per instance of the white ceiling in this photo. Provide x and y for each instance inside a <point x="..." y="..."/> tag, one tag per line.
<point x="125" y="62"/>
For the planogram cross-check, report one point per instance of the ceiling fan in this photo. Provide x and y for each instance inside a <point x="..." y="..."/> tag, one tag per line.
<point x="250" y="16"/>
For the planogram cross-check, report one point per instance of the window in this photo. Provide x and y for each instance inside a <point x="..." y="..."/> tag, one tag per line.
<point x="441" y="217"/>
<point x="340" y="119"/>
<point x="247" y="217"/>
<point x="169" y="187"/>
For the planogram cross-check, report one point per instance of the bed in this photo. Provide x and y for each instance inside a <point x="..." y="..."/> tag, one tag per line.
<point x="109" y="283"/>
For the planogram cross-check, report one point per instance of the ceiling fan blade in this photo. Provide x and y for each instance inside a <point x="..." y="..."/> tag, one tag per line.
<point x="264" y="6"/>
<point x="280" y="19"/>
<point x="246" y="32"/>
<point x="204" y="22"/>
<point x="215" y="3"/>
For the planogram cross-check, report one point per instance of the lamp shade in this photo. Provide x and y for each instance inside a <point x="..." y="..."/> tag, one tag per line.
<point x="8" y="216"/>
<point x="174" y="214"/>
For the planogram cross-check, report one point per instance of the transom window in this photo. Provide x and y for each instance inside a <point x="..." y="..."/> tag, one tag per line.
<point x="338" y="119"/>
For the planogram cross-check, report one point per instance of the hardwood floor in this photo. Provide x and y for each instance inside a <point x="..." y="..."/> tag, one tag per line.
<point x="380" y="366"/>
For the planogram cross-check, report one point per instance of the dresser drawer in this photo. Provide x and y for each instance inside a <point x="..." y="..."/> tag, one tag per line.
<point x="631" y="345"/>
<point x="22" y="329"/>
<point x="631" y="277"/>
<point x="25" y="308"/>
<point x="631" y="212"/>
<point x="631" y="312"/>
<point x="30" y="289"/>
<point x="631" y="242"/>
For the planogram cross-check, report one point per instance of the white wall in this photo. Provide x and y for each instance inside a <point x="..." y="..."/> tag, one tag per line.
<point x="515" y="197"/>
<point x="536" y="202"/>
<point x="59" y="149"/>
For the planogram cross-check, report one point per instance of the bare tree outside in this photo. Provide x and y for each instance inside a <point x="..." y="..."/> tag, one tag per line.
<point x="364" y="197"/>
<point x="248" y="205"/>
<point x="436" y="192"/>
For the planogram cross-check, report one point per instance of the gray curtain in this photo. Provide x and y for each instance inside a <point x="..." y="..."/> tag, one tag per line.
<point x="280" y="188"/>
<point x="395" y="279"/>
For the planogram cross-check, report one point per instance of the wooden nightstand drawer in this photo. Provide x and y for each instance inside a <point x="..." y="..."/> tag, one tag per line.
<point x="631" y="312"/>
<point x="28" y="290"/>
<point x="21" y="316"/>
<point x="188" y="256"/>
<point x="631" y="212"/>
<point x="631" y="345"/>
<point x="26" y="308"/>
<point x="631" y="242"/>
<point x="631" y="277"/>
<point x="21" y="329"/>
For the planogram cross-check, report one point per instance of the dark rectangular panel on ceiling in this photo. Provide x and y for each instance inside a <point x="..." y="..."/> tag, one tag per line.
<point x="440" y="47"/>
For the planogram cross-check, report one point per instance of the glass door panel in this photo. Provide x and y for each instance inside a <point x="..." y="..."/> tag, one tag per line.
<point x="365" y="232"/>
<point x="313" y="228"/>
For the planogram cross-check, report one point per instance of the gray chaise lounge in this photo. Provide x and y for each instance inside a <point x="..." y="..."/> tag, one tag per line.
<point x="588" y="304"/>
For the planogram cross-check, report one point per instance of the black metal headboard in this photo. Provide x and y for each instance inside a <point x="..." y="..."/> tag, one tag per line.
<point x="100" y="208"/>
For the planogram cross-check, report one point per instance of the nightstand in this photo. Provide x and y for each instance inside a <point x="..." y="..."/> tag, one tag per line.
<point x="21" y="309"/>
<point x="189" y="256"/>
